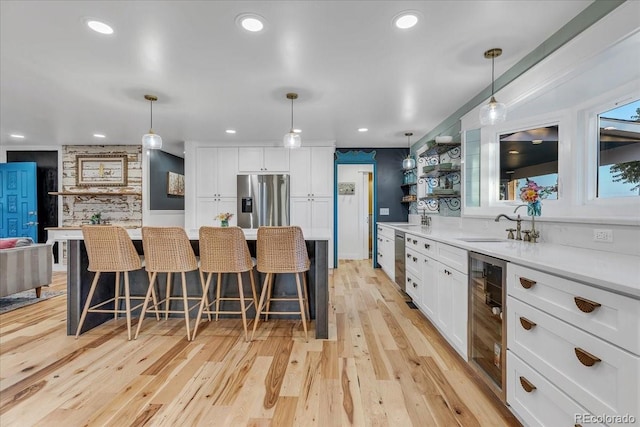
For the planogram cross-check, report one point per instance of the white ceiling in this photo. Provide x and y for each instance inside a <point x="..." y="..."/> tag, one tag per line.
<point x="61" y="82"/>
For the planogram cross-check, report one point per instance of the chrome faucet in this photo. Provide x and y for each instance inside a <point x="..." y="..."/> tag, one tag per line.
<point x="518" y="224"/>
<point x="534" y="234"/>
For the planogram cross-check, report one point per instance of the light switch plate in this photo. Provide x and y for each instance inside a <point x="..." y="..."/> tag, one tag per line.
<point x="384" y="211"/>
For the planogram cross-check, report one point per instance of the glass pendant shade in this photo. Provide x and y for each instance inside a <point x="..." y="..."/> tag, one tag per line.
<point x="151" y="141"/>
<point x="292" y="140"/>
<point x="408" y="163"/>
<point x="493" y="112"/>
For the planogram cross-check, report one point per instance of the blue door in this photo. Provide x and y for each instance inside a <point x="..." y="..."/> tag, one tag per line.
<point x="18" y="200"/>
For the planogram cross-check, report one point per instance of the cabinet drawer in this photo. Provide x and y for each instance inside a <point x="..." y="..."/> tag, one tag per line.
<point x="420" y="244"/>
<point x="608" y="315"/>
<point x="562" y="353"/>
<point x="412" y="287"/>
<point x="538" y="402"/>
<point x="384" y="231"/>
<point x="413" y="262"/>
<point x="453" y="257"/>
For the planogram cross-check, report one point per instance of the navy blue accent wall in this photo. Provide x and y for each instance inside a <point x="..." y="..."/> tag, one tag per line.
<point x="159" y="164"/>
<point x="389" y="171"/>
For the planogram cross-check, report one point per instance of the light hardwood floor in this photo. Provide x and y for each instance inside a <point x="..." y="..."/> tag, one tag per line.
<point x="383" y="365"/>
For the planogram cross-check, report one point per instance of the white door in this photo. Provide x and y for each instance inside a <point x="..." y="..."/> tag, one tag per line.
<point x="227" y="169"/>
<point x="429" y="297"/>
<point x="321" y="171"/>
<point x="206" y="171"/>
<point x="460" y="293"/>
<point x="276" y="159"/>
<point x="321" y="212"/>
<point x="250" y="159"/>
<point x="365" y="226"/>
<point x="300" y="172"/>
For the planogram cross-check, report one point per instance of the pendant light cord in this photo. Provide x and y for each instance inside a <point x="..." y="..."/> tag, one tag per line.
<point x="492" y="78"/>
<point x="291" y="115"/>
<point x="151" y="115"/>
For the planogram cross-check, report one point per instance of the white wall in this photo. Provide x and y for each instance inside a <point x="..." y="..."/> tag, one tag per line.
<point x="352" y="213"/>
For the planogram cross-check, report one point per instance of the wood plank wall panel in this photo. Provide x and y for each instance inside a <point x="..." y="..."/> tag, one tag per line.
<point x="120" y="210"/>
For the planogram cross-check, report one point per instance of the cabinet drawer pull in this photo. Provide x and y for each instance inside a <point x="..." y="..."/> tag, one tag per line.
<point x="415" y="259"/>
<point x="427" y="246"/>
<point x="586" y="358"/>
<point x="526" y="283"/>
<point x="526" y="385"/>
<point x="585" y="305"/>
<point x="526" y="323"/>
<point x="408" y="256"/>
<point x="415" y="242"/>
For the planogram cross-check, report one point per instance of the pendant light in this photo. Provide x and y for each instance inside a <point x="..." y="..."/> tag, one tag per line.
<point x="151" y="140"/>
<point x="409" y="162"/>
<point x="493" y="112"/>
<point x="292" y="139"/>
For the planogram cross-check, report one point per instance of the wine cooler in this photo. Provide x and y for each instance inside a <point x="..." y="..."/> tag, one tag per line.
<point x="487" y="320"/>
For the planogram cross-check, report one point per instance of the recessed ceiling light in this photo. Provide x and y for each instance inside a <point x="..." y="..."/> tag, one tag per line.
<point x="99" y="27"/>
<point x="297" y="131"/>
<point x="363" y="130"/>
<point x="510" y="172"/>
<point x="230" y="131"/>
<point x="610" y="128"/>
<point x="405" y="20"/>
<point x="99" y="135"/>
<point x="17" y="136"/>
<point x="251" y="22"/>
<point x="514" y="152"/>
<point x="536" y="141"/>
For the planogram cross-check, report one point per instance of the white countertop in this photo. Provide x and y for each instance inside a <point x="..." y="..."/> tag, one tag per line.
<point x="75" y="233"/>
<point x="619" y="273"/>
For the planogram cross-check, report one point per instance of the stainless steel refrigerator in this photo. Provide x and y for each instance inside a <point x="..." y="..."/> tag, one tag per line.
<point x="263" y="200"/>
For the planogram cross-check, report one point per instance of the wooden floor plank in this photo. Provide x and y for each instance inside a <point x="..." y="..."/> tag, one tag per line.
<point x="384" y="364"/>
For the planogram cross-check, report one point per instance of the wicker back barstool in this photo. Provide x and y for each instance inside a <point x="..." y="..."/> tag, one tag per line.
<point x="168" y="250"/>
<point x="110" y="250"/>
<point x="224" y="250"/>
<point x="282" y="250"/>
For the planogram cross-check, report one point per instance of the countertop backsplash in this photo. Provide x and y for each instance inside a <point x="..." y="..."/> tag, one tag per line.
<point x="626" y="238"/>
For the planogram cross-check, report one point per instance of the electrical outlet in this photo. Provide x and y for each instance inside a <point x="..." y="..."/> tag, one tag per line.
<point x="601" y="235"/>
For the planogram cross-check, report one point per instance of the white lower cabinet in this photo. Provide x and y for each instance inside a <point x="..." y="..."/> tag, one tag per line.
<point x="538" y="402"/>
<point x="437" y="281"/>
<point x="386" y="250"/>
<point x="452" y="302"/>
<point x="553" y="341"/>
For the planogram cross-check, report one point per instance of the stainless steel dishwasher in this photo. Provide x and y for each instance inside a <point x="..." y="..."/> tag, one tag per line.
<point x="400" y="259"/>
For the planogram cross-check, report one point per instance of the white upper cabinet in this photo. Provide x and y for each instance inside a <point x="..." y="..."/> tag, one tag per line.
<point x="263" y="159"/>
<point x="216" y="169"/>
<point x="312" y="172"/>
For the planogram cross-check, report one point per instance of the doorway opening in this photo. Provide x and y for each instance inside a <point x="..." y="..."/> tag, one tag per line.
<point x="47" y="181"/>
<point x="355" y="206"/>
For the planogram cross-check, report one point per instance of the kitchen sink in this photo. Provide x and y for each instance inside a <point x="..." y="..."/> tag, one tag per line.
<point x="481" y="239"/>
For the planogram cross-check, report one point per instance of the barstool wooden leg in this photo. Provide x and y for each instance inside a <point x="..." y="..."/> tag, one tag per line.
<point x="185" y="301"/>
<point x="302" y="309"/>
<point x="146" y="303"/>
<point x="243" y="309"/>
<point x="116" y="297"/>
<point x="205" y="297"/>
<point x="306" y="293"/>
<point x="205" y="290"/>
<point x="260" y="303"/>
<point x="168" y="296"/>
<point x="218" y="293"/>
<point x="269" y="295"/>
<point x="127" y="302"/>
<point x="88" y="303"/>
<point x="253" y="289"/>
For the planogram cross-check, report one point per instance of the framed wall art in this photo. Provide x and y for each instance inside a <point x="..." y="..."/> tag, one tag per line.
<point x="175" y="184"/>
<point x="346" y="188"/>
<point x="101" y="170"/>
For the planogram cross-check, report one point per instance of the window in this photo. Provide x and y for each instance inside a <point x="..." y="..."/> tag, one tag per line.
<point x="528" y="154"/>
<point x="619" y="151"/>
